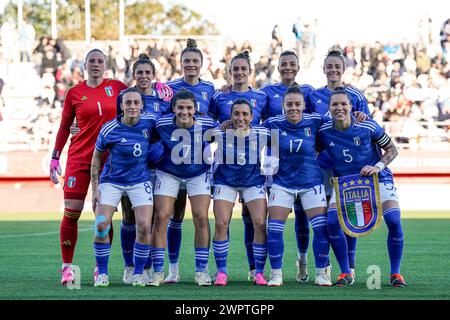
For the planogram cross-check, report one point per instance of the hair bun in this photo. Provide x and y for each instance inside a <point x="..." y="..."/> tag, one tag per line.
<point x="143" y="56"/>
<point x="335" y="51"/>
<point x="191" y="43"/>
<point x="245" y="53"/>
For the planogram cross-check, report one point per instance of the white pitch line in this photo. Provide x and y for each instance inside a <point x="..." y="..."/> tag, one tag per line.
<point x="37" y="234"/>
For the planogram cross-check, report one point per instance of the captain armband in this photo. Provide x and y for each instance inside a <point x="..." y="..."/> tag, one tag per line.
<point x="383" y="141"/>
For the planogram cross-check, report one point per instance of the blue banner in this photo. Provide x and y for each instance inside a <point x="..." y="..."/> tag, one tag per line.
<point x="358" y="203"/>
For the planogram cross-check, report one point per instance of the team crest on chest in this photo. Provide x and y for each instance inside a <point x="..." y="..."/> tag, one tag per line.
<point x="253" y="145"/>
<point x="109" y="91"/>
<point x="145" y="133"/>
<point x="308" y="132"/>
<point x="253" y="103"/>
<point x="205" y="95"/>
<point x="156" y="106"/>
<point x="198" y="137"/>
<point x="357" y="141"/>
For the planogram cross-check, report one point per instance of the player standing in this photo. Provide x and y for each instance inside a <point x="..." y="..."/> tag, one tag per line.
<point x="156" y="103"/>
<point x="288" y="67"/>
<point x="191" y="63"/>
<point x="93" y="103"/>
<point x="220" y="109"/>
<point x="319" y="99"/>
<point x="182" y="137"/>
<point x="355" y="149"/>
<point x="298" y="176"/>
<point x="127" y="141"/>
<point x="243" y="144"/>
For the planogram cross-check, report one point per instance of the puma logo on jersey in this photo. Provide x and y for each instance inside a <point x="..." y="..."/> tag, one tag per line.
<point x="123" y="140"/>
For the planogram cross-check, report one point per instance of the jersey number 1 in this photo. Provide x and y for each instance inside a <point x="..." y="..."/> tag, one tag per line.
<point x="100" y="113"/>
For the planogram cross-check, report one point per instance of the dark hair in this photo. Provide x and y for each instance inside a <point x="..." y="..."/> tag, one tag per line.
<point x="191" y="46"/>
<point x="293" y="89"/>
<point x="242" y="101"/>
<point x="143" y="59"/>
<point x="183" y="94"/>
<point x="340" y="90"/>
<point x="335" y="52"/>
<point x="95" y="50"/>
<point x="288" y="53"/>
<point x="128" y="90"/>
<point x="242" y="55"/>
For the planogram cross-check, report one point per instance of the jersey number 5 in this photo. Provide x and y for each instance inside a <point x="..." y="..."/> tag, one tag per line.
<point x="347" y="155"/>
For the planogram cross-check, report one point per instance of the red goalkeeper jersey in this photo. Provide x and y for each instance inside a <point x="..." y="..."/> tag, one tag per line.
<point x="92" y="107"/>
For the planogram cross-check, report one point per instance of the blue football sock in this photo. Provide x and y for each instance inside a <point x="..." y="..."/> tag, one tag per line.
<point x="248" y="240"/>
<point x="321" y="245"/>
<point x="260" y="251"/>
<point x="102" y="252"/>
<point x="275" y="243"/>
<point x="140" y="256"/>
<point x="220" y="249"/>
<point x="351" y="247"/>
<point x="158" y="259"/>
<point x="338" y="240"/>
<point x="149" y="263"/>
<point x="201" y="259"/>
<point x="395" y="238"/>
<point x="174" y="234"/>
<point x="301" y="230"/>
<point x="127" y="238"/>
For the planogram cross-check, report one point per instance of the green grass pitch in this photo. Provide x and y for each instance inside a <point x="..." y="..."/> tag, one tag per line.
<point x="30" y="264"/>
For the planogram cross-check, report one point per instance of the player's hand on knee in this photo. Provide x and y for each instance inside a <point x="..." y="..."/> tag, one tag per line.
<point x="55" y="170"/>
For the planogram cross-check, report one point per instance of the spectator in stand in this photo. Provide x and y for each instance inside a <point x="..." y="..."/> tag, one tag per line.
<point x="27" y="35"/>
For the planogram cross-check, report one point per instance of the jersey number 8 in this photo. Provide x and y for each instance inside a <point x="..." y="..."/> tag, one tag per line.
<point x="137" y="152"/>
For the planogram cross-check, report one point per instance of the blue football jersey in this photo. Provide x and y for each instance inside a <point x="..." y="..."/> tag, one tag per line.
<point x="152" y="104"/>
<point x="203" y="92"/>
<point x="183" y="148"/>
<point x="275" y="93"/>
<point x="353" y="148"/>
<point x="298" y="165"/>
<point x="239" y="158"/>
<point x="220" y="107"/>
<point x="128" y="149"/>
<point x="319" y="102"/>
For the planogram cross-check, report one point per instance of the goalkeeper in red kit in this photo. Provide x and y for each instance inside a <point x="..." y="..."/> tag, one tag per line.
<point x="92" y="103"/>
